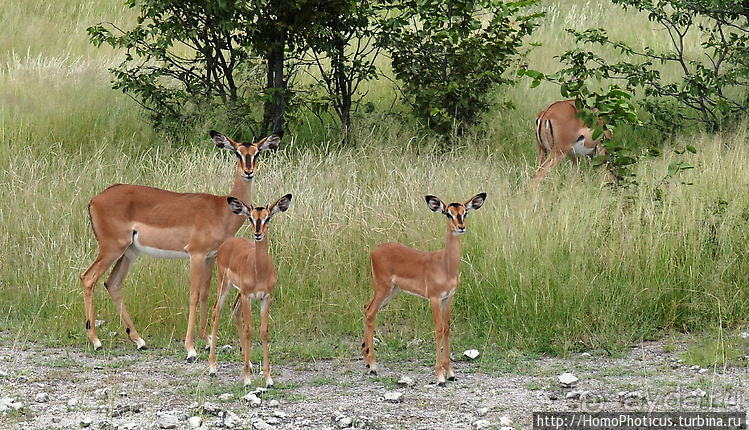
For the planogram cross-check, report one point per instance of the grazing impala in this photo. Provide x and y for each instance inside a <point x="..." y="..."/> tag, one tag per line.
<point x="431" y="275"/>
<point x="131" y="219"/>
<point x="248" y="267"/>
<point x="560" y="134"/>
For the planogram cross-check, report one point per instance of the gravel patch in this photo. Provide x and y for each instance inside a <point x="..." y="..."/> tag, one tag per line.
<point x="43" y="387"/>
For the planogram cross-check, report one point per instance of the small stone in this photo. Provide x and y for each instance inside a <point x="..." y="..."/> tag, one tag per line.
<point x="505" y="422"/>
<point x="345" y="422"/>
<point x="703" y="370"/>
<point x="259" y="424"/>
<point x="226" y="348"/>
<point x="394" y="397"/>
<point x="481" y="424"/>
<point x="279" y="414"/>
<point x="406" y="381"/>
<point x="482" y="411"/>
<point x="167" y="421"/>
<point x="585" y="355"/>
<point x="41" y="398"/>
<point x="195" y="422"/>
<point x="252" y="399"/>
<point x="211" y="409"/>
<point x="471" y="353"/>
<point x="230" y="419"/>
<point x="698" y="393"/>
<point x="101" y="393"/>
<point x="567" y="379"/>
<point x="574" y="395"/>
<point x="86" y="422"/>
<point x="226" y="396"/>
<point x="273" y="404"/>
<point x="72" y="403"/>
<point x="696" y="367"/>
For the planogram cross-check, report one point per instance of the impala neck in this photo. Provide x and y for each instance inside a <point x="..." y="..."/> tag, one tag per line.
<point x="262" y="257"/>
<point x="451" y="256"/>
<point x="241" y="189"/>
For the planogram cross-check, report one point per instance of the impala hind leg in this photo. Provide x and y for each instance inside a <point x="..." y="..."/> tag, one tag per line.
<point x="551" y="161"/>
<point x="114" y="284"/>
<point x="381" y="298"/>
<point x="89" y="278"/>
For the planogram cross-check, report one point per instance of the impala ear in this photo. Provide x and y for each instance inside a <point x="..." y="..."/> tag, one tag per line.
<point x="237" y="206"/>
<point x="435" y="204"/>
<point x="222" y="141"/>
<point x="476" y="202"/>
<point x="270" y="142"/>
<point x="281" y="205"/>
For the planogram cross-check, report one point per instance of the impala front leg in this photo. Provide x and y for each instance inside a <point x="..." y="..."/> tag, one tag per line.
<point x="446" y="310"/>
<point x="205" y="289"/>
<point x="438" y="334"/>
<point x="246" y="339"/>
<point x="264" y="308"/>
<point x="197" y="264"/>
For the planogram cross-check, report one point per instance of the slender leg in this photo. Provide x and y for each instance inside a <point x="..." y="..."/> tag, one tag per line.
<point x="101" y="264"/>
<point x="264" y="309"/>
<point x="197" y="263"/>
<point x="551" y="161"/>
<point x="370" y="313"/>
<point x="114" y="286"/>
<point x="223" y="288"/>
<point x="205" y="289"/>
<point x="446" y="310"/>
<point x="246" y="312"/>
<point x="437" y="317"/>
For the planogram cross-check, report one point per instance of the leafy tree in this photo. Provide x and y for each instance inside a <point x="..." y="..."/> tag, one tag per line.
<point x="344" y="54"/>
<point x="180" y="56"/>
<point x="451" y="54"/>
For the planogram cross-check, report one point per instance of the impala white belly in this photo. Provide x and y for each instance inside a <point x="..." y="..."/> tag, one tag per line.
<point x="168" y="254"/>
<point x="580" y="150"/>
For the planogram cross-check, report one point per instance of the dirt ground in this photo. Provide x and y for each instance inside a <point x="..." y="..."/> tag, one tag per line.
<point x="42" y="387"/>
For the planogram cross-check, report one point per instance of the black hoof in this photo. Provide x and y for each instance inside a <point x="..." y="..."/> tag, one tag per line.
<point x="442" y="384"/>
<point x="269" y="386"/>
<point x="143" y="348"/>
<point x="451" y="379"/>
<point x="373" y="372"/>
<point x="191" y="359"/>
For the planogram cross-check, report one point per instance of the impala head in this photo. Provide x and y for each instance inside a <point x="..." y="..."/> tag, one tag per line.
<point x="246" y="152"/>
<point x="456" y="212"/>
<point x="259" y="216"/>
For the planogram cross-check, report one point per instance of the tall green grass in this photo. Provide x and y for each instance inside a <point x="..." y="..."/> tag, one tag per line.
<point x="573" y="265"/>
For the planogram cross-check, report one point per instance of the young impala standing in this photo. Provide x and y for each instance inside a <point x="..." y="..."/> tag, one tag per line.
<point x="247" y="266"/>
<point x="561" y="134"/>
<point x="128" y="220"/>
<point x="431" y="275"/>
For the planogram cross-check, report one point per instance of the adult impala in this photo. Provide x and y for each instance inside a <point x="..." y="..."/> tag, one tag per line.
<point x="561" y="134"/>
<point x="248" y="267"/>
<point x="128" y="220"/>
<point x="431" y="275"/>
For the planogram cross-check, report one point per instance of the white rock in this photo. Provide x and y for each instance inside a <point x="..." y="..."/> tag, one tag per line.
<point x="230" y="420"/>
<point x="471" y="353"/>
<point x="8" y="403"/>
<point x="585" y="355"/>
<point x="481" y="424"/>
<point x="408" y="382"/>
<point x="211" y="409"/>
<point x="567" y="379"/>
<point x="195" y="422"/>
<point x="394" y="397"/>
<point x="226" y="396"/>
<point x="505" y="422"/>
<point x="575" y="394"/>
<point x="744" y="335"/>
<point x="167" y="421"/>
<point x="698" y="393"/>
<point x="73" y="402"/>
<point x="345" y="422"/>
<point x="279" y="414"/>
<point x="86" y="422"/>
<point x="252" y="399"/>
<point x="226" y="348"/>
<point x="703" y="370"/>
<point x="482" y="411"/>
<point x="259" y="424"/>
<point x="273" y="404"/>
<point x="696" y="367"/>
<point x="41" y="398"/>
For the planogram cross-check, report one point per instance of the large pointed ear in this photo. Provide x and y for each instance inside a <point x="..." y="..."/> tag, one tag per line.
<point x="237" y="206"/>
<point x="224" y="142"/>
<point x="281" y="205"/>
<point x="476" y="202"/>
<point x="435" y="204"/>
<point x="270" y="142"/>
